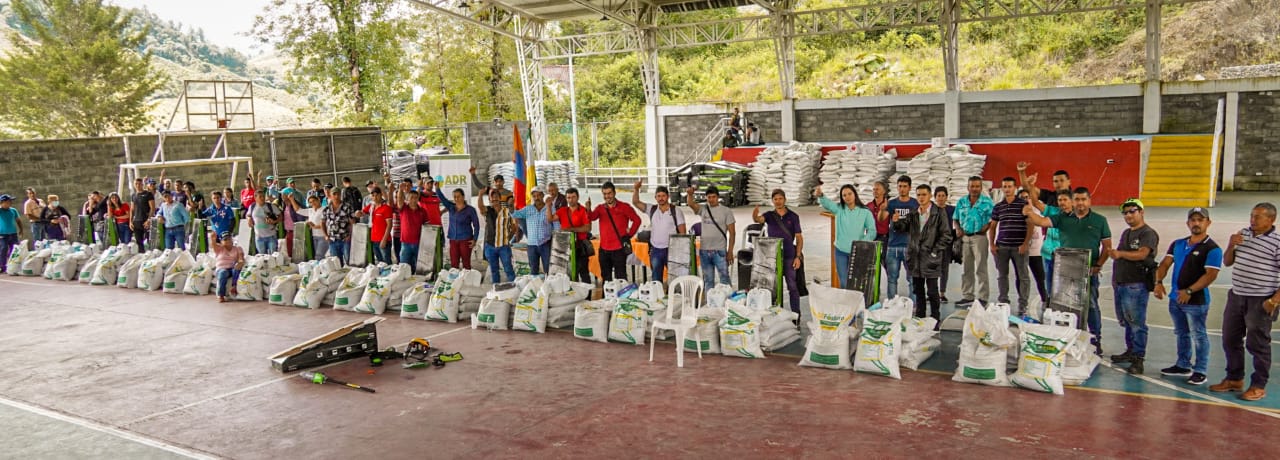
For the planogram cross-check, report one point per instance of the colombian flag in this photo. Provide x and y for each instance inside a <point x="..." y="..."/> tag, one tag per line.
<point x="518" y="157"/>
<point x="530" y="174"/>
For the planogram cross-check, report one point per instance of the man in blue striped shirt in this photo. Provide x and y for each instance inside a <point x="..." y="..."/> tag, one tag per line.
<point x="1254" y="254"/>
<point x="539" y="231"/>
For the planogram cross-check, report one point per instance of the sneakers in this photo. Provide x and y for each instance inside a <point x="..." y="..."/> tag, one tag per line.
<point x="1197" y="379"/>
<point x="1125" y="357"/>
<point x="1254" y="394"/>
<point x="1135" y="366"/>
<point x="1227" y="385"/>
<point x="943" y="298"/>
<point x="1177" y="371"/>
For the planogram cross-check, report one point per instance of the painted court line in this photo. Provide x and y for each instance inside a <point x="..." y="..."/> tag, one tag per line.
<point x="122" y="434"/>
<point x="1194" y="393"/>
<point x="260" y="385"/>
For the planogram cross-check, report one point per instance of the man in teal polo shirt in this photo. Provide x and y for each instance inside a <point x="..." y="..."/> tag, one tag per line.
<point x="1082" y="229"/>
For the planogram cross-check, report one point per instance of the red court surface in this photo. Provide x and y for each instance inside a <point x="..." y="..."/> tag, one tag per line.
<point x="191" y="375"/>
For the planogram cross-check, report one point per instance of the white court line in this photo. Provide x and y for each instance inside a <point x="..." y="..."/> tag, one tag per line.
<point x="64" y="283"/>
<point x="119" y="433"/>
<point x="260" y="385"/>
<point x="1192" y="393"/>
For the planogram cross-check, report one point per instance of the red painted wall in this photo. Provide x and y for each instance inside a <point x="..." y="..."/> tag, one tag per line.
<point x="1085" y="160"/>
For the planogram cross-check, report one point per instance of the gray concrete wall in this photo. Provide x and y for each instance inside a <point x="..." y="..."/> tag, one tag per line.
<point x="1052" y="118"/>
<point x="685" y="132"/>
<point x="1258" y="142"/>
<point x="769" y="123"/>
<point x="488" y="142"/>
<point x="1188" y="113"/>
<point x="71" y="168"/>
<point x="869" y="123"/>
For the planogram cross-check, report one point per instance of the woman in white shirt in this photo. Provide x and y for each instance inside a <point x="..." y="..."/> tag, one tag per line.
<point x="315" y="220"/>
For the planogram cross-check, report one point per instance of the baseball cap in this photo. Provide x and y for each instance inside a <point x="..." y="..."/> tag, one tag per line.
<point x="438" y="179"/>
<point x="224" y="236"/>
<point x="538" y="189"/>
<point x="271" y="177"/>
<point x="6" y="197"/>
<point x="368" y="183"/>
<point x="1132" y="202"/>
<point x="151" y="182"/>
<point x="289" y="180"/>
<point x="712" y="190"/>
<point x="287" y="191"/>
<point x="1203" y="212"/>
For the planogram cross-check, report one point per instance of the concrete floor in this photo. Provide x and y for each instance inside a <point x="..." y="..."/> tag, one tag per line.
<point x="103" y="372"/>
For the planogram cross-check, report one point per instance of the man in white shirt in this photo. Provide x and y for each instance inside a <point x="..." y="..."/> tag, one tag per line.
<point x="664" y="220"/>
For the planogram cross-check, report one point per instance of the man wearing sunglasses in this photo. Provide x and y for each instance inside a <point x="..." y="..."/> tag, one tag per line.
<point x="1133" y="279"/>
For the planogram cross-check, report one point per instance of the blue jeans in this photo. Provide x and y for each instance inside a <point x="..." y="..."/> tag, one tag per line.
<point x="319" y="246"/>
<point x="226" y="275"/>
<point x="539" y="255"/>
<point x="895" y="261"/>
<point x="37" y="231"/>
<point x="409" y="255"/>
<point x="1131" y="312"/>
<point x="1188" y="326"/>
<point x="1048" y="278"/>
<point x="380" y="253"/>
<point x="175" y="237"/>
<point x="340" y="249"/>
<point x="266" y="244"/>
<point x="1095" y="313"/>
<point x="842" y="267"/>
<point x="123" y="234"/>
<point x="499" y="255"/>
<point x="713" y="262"/>
<point x="657" y="262"/>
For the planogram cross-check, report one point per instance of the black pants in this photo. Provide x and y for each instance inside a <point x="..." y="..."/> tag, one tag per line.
<point x="140" y="234"/>
<point x="927" y="288"/>
<point x="1037" y="275"/>
<point x="947" y="255"/>
<point x="613" y="265"/>
<point x="1246" y="325"/>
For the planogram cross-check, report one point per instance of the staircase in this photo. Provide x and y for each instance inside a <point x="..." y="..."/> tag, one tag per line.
<point x="1180" y="171"/>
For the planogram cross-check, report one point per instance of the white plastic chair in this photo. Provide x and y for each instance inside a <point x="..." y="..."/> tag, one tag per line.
<point x="689" y="288"/>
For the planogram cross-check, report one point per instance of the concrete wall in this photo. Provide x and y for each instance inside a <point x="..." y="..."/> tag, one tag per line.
<point x="769" y="123"/>
<point x="71" y="168"/>
<point x="1258" y="157"/>
<point x="684" y="133"/>
<point x="490" y="142"/>
<point x="1188" y="113"/>
<point x="869" y="123"/>
<point x="1051" y="118"/>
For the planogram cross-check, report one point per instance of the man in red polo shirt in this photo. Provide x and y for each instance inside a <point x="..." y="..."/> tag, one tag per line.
<point x="575" y="218"/>
<point x="429" y="201"/>
<point x="618" y="222"/>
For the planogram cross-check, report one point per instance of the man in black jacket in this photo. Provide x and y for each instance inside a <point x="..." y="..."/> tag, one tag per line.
<point x="930" y="235"/>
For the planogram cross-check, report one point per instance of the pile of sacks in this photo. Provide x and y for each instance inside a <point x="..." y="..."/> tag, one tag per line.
<point x="495" y="308"/>
<point x="103" y="269"/>
<point x="860" y="165"/>
<point x="792" y="168"/>
<point x="259" y="270"/>
<point x="753" y="325"/>
<point x="317" y="279"/>
<point x="442" y="300"/>
<point x="58" y="260"/>
<point x="949" y="166"/>
<point x="560" y="172"/>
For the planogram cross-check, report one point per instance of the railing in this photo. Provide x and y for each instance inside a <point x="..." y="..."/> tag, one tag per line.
<point x="622" y="178"/>
<point x="711" y="142"/>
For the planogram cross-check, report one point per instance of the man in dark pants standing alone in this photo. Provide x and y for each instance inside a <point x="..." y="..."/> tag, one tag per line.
<point x="1132" y="279"/>
<point x="1252" y="302"/>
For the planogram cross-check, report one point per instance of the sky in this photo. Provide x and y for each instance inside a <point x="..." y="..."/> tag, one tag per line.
<point x="225" y="22"/>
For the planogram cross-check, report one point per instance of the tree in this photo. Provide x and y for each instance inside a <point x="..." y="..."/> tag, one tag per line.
<point x="350" y="48"/>
<point x="82" y="76"/>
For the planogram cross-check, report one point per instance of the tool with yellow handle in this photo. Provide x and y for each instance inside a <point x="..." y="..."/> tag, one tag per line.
<point x="319" y="379"/>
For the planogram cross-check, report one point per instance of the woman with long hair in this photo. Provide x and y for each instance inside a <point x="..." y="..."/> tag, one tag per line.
<point x="854" y="222"/>
<point x="119" y="211"/>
